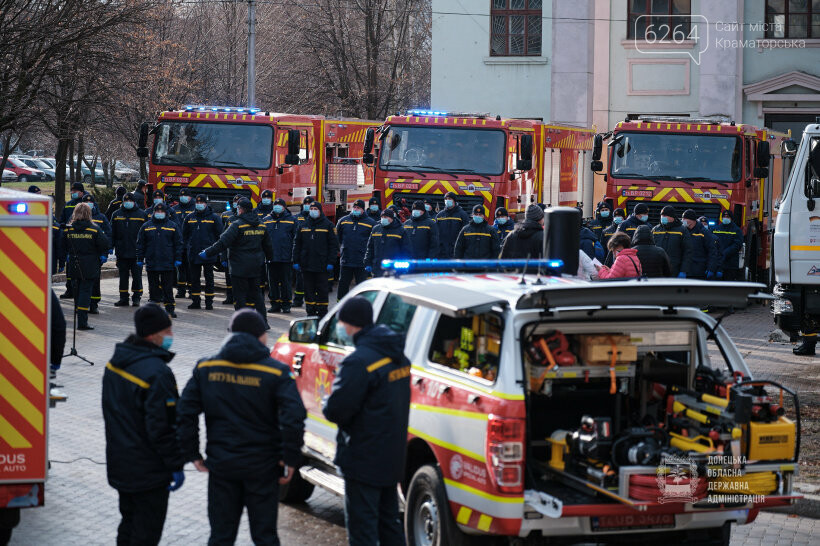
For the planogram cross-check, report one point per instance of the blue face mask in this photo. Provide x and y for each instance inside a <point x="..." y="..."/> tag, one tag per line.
<point x="356" y="212"/>
<point x="664" y="220"/>
<point x="278" y="209"/>
<point x="428" y="208"/>
<point x="449" y="203"/>
<point x="501" y="220"/>
<point x="167" y="341"/>
<point x="417" y="213"/>
<point x="341" y="334"/>
<point x="128" y="205"/>
<point x="314" y="213"/>
<point x="478" y="219"/>
<point x="184" y="199"/>
<point x="158" y="200"/>
<point x="306" y="207"/>
<point x="159" y="215"/>
<point x="386" y="221"/>
<point x="727" y="221"/>
<point x="374" y="208"/>
<point x="200" y="206"/>
<point x="604" y="214"/>
<point x="75" y="195"/>
<point x="617" y="220"/>
<point x="267" y="200"/>
<point x="643" y="217"/>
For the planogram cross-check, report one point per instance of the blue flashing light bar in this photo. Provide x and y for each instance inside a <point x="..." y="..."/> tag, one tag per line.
<point x="712" y="222"/>
<point x="237" y="109"/>
<point x="420" y="266"/>
<point x="18" y="208"/>
<point x="425" y="113"/>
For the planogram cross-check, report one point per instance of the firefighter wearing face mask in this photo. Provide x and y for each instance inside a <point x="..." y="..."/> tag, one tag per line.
<point x="315" y="249"/>
<point x="159" y="248"/>
<point x="450" y="221"/>
<point x="353" y="232"/>
<point x="603" y="219"/>
<point x="374" y="212"/>
<point x="618" y="217"/>
<point x="227" y="217"/>
<point x="126" y="225"/>
<point x="179" y="212"/>
<point x="503" y="223"/>
<point x="639" y="217"/>
<point x="670" y="236"/>
<point x="730" y="237"/>
<point x="478" y="240"/>
<point x="158" y="197"/>
<point x="421" y="234"/>
<point x="99" y="220"/>
<point x="701" y="258"/>
<point x="265" y="205"/>
<point x="77" y="191"/>
<point x="200" y="230"/>
<point x="299" y="284"/>
<point x="281" y="227"/>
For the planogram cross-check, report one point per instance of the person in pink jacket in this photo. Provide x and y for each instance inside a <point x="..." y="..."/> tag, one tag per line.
<point x="626" y="264"/>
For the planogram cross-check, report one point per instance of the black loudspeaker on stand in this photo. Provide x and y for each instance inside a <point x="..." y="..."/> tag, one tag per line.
<point x="76" y="289"/>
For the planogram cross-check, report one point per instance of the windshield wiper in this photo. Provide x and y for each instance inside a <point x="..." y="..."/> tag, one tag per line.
<point x="705" y="179"/>
<point x="641" y="177"/>
<point x="189" y="164"/>
<point x="237" y="164"/>
<point x="470" y="171"/>
<point x="406" y="168"/>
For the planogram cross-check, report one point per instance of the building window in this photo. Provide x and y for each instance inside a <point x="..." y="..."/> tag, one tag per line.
<point x="792" y="18"/>
<point x="516" y="27"/>
<point x="661" y="17"/>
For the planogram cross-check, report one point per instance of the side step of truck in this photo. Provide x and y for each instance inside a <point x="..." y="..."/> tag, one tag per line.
<point x="325" y="480"/>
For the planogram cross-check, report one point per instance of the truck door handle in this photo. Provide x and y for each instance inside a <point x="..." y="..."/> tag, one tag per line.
<point x="473" y="399"/>
<point x="443" y="389"/>
<point x="417" y="381"/>
<point x="297" y="363"/>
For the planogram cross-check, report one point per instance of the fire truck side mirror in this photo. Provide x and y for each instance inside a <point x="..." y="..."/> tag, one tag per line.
<point x="294" y="138"/>
<point x="788" y="148"/>
<point x="524" y="162"/>
<point x="597" y="147"/>
<point x="369" y="136"/>
<point x="142" y="144"/>
<point x="761" y="172"/>
<point x="763" y="154"/>
<point x="596" y="166"/>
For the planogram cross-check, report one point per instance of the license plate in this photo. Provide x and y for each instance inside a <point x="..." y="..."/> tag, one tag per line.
<point x="632" y="521"/>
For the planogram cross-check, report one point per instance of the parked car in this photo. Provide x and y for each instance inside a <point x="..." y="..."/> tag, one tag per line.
<point x="99" y="175"/>
<point x="47" y="169"/>
<point x="9" y="176"/>
<point x="24" y="172"/>
<point x="124" y="173"/>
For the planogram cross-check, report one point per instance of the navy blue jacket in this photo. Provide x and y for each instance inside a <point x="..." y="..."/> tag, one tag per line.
<point x="386" y="243"/>
<point x="99" y="220"/>
<point x="375" y="216"/>
<point x="85" y="243"/>
<point x="370" y="401"/>
<point x="608" y="232"/>
<point x="181" y="211"/>
<point x="139" y="398"/>
<point x="353" y="233"/>
<point x="159" y="245"/>
<point x="68" y="211"/>
<point x="588" y="240"/>
<point x="199" y="231"/>
<point x="253" y="411"/>
<point x="57" y="251"/>
<point x="125" y="228"/>
<point x="730" y="237"/>
<point x="629" y="225"/>
<point x="672" y="239"/>
<point x="477" y="242"/>
<point x="450" y="222"/>
<point x="504" y="229"/>
<point x="598" y="225"/>
<point x="263" y="210"/>
<point x="315" y="246"/>
<point x="246" y="243"/>
<point x="281" y="230"/>
<point x="421" y="236"/>
<point x="701" y="252"/>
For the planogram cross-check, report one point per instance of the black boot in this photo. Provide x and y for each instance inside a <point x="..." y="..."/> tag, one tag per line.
<point x="196" y="303"/>
<point x="67" y="296"/>
<point x="807" y="347"/>
<point x="209" y="303"/>
<point x="121" y="303"/>
<point x="94" y="310"/>
<point x="180" y="293"/>
<point x="275" y="308"/>
<point x="135" y="303"/>
<point x="170" y="310"/>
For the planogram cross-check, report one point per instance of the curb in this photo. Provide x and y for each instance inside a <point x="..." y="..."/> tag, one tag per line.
<point x="807" y="507"/>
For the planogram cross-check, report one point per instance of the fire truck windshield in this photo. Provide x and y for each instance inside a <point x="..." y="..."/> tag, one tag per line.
<point x="699" y="158"/>
<point x="204" y="144"/>
<point x="436" y="149"/>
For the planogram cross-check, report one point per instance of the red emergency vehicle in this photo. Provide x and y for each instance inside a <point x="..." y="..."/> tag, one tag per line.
<point x="25" y="310"/>
<point x="705" y="165"/>
<point x="224" y="151"/>
<point x="484" y="159"/>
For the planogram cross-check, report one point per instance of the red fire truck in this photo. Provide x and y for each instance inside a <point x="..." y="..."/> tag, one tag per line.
<point x="224" y="151"/>
<point x="484" y="159"/>
<point x="706" y="165"/>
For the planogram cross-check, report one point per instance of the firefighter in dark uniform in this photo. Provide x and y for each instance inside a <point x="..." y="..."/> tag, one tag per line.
<point x="603" y="219"/>
<point x="639" y="217"/>
<point x="618" y="216"/>
<point x="159" y="199"/>
<point x="248" y="248"/>
<point x="315" y="249"/>
<point x="227" y="217"/>
<point x="478" y="240"/>
<point x="57" y="251"/>
<point x="200" y="230"/>
<point x="353" y="232"/>
<point x="101" y="222"/>
<point x="140" y="198"/>
<point x="421" y="234"/>
<point x="670" y="236"/>
<point x="139" y="398"/>
<point x="281" y="227"/>
<point x="126" y="225"/>
<point x="179" y="212"/>
<point x="450" y="221"/>
<point x="77" y="192"/>
<point x="387" y="242"/>
<point x="370" y="402"/>
<point x="730" y="237"/>
<point x="115" y="203"/>
<point x="265" y="206"/>
<point x="299" y="288"/>
<point x="701" y="257"/>
<point x="87" y="248"/>
<point x="255" y="421"/>
<point x="503" y="223"/>
<point x="373" y="210"/>
<point x="159" y="247"/>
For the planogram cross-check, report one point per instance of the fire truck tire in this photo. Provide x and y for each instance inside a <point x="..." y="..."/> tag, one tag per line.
<point x="428" y="520"/>
<point x="296" y="491"/>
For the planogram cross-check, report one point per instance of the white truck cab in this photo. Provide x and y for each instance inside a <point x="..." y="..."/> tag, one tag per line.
<point x="796" y="251"/>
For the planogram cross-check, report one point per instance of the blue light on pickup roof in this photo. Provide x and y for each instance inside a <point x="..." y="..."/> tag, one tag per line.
<point x="470" y="265"/>
<point x="18" y="208"/>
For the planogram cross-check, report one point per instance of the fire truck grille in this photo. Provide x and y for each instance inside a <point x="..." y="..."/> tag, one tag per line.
<point x="467" y="202"/>
<point x="709" y="210"/>
<point x="215" y="195"/>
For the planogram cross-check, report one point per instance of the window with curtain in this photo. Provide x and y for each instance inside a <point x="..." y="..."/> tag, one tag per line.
<point x="658" y="13"/>
<point x="515" y="27"/>
<point x="792" y="18"/>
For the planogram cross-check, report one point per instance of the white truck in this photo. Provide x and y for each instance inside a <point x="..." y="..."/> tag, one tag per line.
<point x="796" y="251"/>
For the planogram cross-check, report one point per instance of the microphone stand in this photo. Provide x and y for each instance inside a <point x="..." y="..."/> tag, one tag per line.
<point x="76" y="290"/>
